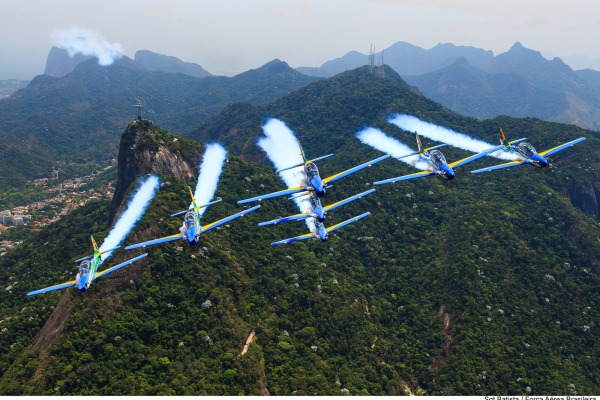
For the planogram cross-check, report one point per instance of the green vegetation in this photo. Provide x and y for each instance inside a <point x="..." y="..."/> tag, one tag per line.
<point x="485" y="284"/>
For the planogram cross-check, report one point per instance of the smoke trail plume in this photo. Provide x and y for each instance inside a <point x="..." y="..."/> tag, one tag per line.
<point x="134" y="212"/>
<point x="88" y="43"/>
<point x="209" y="173"/>
<point x="281" y="146"/>
<point x="445" y="135"/>
<point x="380" y="141"/>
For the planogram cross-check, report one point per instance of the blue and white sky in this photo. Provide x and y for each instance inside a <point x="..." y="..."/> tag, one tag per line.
<point x="231" y="36"/>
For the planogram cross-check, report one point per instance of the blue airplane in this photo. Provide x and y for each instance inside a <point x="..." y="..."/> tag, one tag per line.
<point x="88" y="271"/>
<point x="318" y="212"/>
<point x="525" y="152"/>
<point x="191" y="228"/>
<point x="437" y="163"/>
<point x="321" y="232"/>
<point x="314" y="182"/>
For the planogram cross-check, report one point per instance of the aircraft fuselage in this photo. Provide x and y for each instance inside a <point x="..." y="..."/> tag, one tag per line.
<point x="87" y="271"/>
<point x="437" y="161"/>
<point x="190" y="229"/>
<point x="314" y="179"/>
<point x="321" y="231"/>
<point x="526" y="151"/>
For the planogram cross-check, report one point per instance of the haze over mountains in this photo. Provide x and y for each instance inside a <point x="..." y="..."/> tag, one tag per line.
<point x="468" y="80"/>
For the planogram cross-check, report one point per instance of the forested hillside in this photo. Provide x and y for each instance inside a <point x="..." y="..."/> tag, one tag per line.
<point x="484" y="284"/>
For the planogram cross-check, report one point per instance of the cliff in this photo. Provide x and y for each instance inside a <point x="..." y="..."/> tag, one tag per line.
<point x="147" y="149"/>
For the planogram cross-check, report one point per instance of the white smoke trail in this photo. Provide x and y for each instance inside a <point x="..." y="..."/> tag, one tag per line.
<point x="88" y="43"/>
<point x="208" y="174"/>
<point x="395" y="148"/>
<point x="281" y="146"/>
<point x="439" y="133"/>
<point x="134" y="212"/>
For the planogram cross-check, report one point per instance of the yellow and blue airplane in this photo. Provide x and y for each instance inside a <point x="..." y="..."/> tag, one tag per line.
<point x="317" y="211"/>
<point x="525" y="152"/>
<point x="314" y="182"/>
<point x="436" y="161"/>
<point x="191" y="228"/>
<point x="88" y="271"/>
<point x="321" y="231"/>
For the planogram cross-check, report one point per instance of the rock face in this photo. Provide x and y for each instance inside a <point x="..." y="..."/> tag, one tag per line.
<point x="59" y="63"/>
<point x="584" y="196"/>
<point x="147" y="149"/>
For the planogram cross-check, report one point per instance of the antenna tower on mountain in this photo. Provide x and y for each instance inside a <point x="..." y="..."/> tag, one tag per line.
<point x="380" y="70"/>
<point x="371" y="58"/>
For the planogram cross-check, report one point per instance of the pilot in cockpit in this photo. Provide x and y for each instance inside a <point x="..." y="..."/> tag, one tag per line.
<point x="526" y="149"/>
<point x="437" y="157"/>
<point x="311" y="170"/>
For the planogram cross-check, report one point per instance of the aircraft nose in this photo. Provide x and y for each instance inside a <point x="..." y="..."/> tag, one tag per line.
<point x="191" y="235"/>
<point x="449" y="173"/>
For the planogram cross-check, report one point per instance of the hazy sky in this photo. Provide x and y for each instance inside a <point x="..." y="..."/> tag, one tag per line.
<point x="232" y="36"/>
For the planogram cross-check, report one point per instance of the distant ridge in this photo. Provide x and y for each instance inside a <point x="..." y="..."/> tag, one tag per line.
<point x="159" y="62"/>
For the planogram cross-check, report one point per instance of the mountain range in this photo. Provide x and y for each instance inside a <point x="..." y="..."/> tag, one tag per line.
<point x="73" y="120"/>
<point x="484" y="284"/>
<point x="474" y="82"/>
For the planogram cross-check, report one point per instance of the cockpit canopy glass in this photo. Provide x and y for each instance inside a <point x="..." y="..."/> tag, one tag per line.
<point x="526" y="149"/>
<point x="437" y="157"/>
<point x="311" y="170"/>
<point x="84" y="267"/>
<point x="190" y="219"/>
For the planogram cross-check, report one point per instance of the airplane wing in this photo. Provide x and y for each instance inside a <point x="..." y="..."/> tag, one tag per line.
<point x="116" y="267"/>
<point x="347" y="172"/>
<point x="474" y="157"/>
<point x="347" y="222"/>
<point x="556" y="149"/>
<point x="274" y="194"/>
<point x="405" y="177"/>
<point x="165" y="239"/>
<point x="500" y="166"/>
<point x="306" y="236"/>
<point x="295" y="217"/>
<point x="348" y="200"/>
<point x="52" y="288"/>
<point x="213" y="225"/>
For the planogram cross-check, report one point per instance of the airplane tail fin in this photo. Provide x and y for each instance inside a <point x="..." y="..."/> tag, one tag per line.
<point x="502" y="137"/>
<point x="419" y="144"/>
<point x="302" y="152"/>
<point x="94" y="245"/>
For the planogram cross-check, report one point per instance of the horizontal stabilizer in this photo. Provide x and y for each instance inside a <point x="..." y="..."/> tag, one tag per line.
<point x="434" y="147"/>
<point x="304" y="163"/>
<point x="517" y="141"/>
<point x="197" y="208"/>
